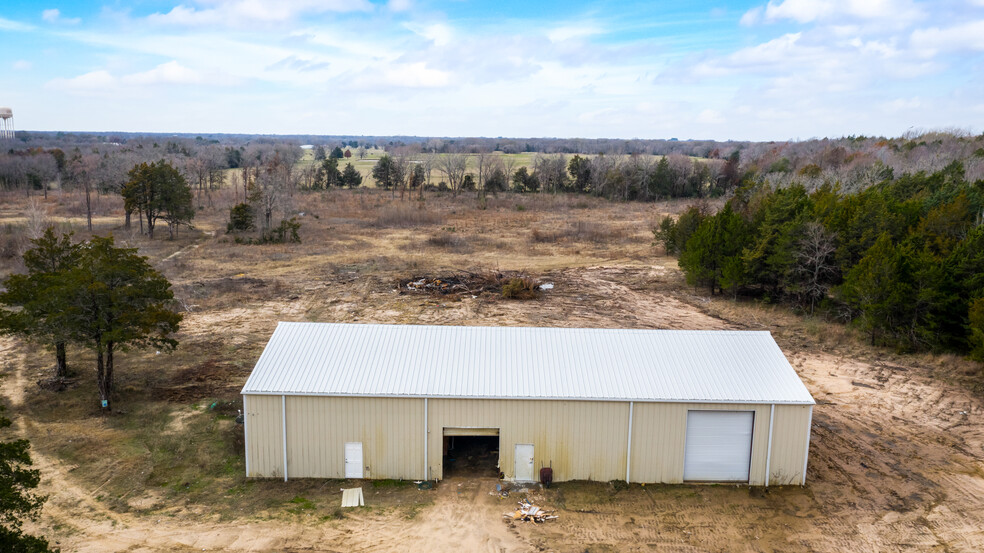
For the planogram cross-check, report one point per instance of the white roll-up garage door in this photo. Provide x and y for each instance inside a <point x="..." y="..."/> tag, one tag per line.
<point x="719" y="446"/>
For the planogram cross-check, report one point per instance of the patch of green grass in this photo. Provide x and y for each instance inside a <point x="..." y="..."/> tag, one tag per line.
<point x="390" y="483"/>
<point x="301" y="504"/>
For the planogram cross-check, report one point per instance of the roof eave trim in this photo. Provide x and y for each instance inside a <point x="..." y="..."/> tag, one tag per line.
<point x="534" y="398"/>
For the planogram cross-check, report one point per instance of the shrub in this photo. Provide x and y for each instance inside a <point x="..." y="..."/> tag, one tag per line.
<point x="240" y="218"/>
<point x="285" y="232"/>
<point x="446" y="240"/>
<point x="521" y="288"/>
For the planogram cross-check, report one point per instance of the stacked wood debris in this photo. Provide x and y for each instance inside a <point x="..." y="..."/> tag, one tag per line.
<point x="460" y="283"/>
<point x="529" y="512"/>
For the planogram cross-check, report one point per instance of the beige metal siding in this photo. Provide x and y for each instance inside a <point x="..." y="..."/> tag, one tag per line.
<point x="582" y="439"/>
<point x="264" y="437"/>
<point x="391" y="431"/>
<point x="789" y="437"/>
<point x="659" y="433"/>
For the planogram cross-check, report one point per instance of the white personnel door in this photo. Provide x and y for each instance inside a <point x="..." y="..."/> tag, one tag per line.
<point x="524" y="462"/>
<point x="719" y="446"/>
<point x="353" y="460"/>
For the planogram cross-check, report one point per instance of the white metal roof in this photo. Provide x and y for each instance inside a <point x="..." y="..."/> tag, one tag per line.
<point x="373" y="360"/>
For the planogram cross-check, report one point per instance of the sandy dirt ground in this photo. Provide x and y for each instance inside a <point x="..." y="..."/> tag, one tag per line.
<point x="896" y="456"/>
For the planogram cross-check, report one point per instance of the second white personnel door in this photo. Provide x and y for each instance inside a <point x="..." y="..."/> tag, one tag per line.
<point x="524" y="462"/>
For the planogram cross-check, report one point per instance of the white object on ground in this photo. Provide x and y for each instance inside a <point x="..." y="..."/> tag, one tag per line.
<point x="352" y="497"/>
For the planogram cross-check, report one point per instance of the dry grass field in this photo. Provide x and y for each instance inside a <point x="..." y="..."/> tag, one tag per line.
<point x="897" y="451"/>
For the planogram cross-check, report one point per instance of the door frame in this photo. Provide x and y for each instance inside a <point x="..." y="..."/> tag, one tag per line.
<point x="516" y="463"/>
<point x="362" y="458"/>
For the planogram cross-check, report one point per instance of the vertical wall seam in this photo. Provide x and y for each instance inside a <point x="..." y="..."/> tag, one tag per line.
<point x="246" y="435"/>
<point x="628" y="452"/>
<point x="806" y="452"/>
<point x="768" y="451"/>
<point x="426" y="439"/>
<point x="283" y="425"/>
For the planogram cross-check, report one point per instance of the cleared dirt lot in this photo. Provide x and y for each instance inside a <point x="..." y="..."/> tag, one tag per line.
<point x="896" y="460"/>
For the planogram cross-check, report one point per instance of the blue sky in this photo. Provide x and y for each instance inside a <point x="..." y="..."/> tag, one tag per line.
<point x="760" y="70"/>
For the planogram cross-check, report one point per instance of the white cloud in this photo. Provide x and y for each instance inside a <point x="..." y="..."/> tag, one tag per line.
<point x="751" y="17"/>
<point x="94" y="81"/>
<point x="438" y="33"/>
<point x="102" y="81"/>
<point x="251" y="12"/>
<point x="568" y="32"/>
<point x="710" y="117"/>
<point x="781" y="52"/>
<point x="808" y="11"/>
<point x="966" y="36"/>
<point x="54" y="16"/>
<point x="408" y="75"/>
<point x="10" y="25"/>
<point x="404" y="5"/>
<point x="903" y="104"/>
<point x="22" y="65"/>
<point x="171" y="72"/>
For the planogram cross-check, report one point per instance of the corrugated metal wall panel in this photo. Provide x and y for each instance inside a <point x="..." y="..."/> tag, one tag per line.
<point x="789" y="437"/>
<point x="582" y="440"/>
<point x="659" y="433"/>
<point x="391" y="431"/>
<point x="264" y="436"/>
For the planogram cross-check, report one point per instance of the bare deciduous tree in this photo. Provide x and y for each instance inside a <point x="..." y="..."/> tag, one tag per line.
<point x="814" y="267"/>
<point x="454" y="166"/>
<point x="80" y="169"/>
<point x="273" y="189"/>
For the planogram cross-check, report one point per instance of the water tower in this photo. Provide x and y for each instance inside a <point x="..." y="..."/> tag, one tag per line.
<point x="6" y="123"/>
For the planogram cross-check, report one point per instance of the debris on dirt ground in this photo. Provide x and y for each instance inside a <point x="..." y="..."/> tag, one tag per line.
<point x="499" y="492"/>
<point x="352" y="497"/>
<point x="57" y="384"/>
<point x="529" y="512"/>
<point x="462" y="282"/>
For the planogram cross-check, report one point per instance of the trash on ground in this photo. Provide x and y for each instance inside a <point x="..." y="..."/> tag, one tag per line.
<point x="529" y="512"/>
<point x="352" y="497"/>
<point x="462" y="283"/>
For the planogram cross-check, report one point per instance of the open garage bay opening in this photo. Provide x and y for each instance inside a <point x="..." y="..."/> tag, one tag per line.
<point x="471" y="452"/>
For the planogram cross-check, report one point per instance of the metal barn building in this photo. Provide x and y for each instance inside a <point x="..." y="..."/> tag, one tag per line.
<point x="394" y="401"/>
